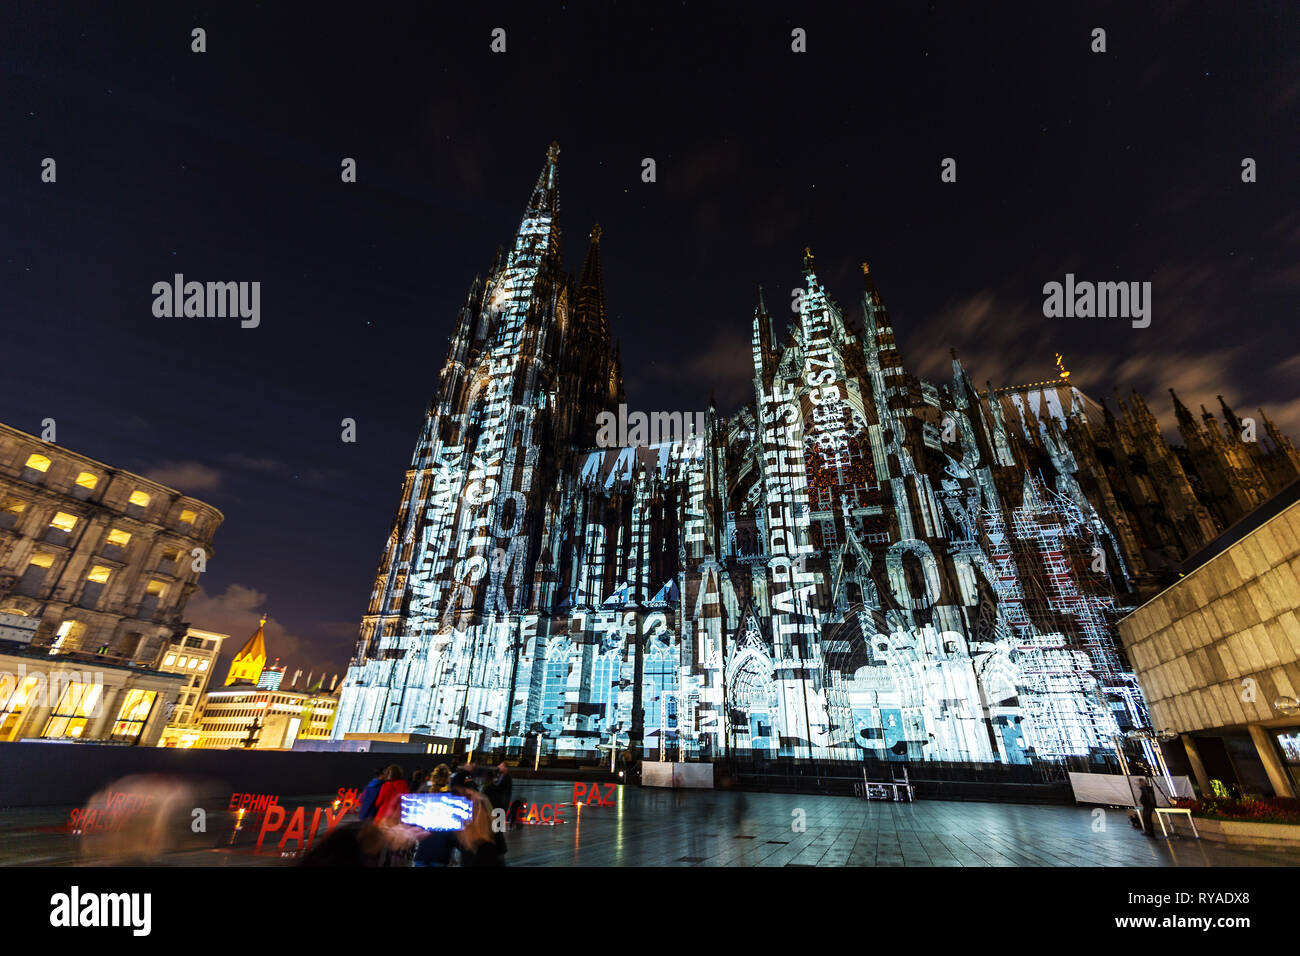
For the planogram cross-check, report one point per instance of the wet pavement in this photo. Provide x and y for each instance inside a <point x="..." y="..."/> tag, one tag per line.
<point x="647" y="827"/>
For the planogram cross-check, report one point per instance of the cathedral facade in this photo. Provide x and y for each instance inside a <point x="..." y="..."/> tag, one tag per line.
<point x="856" y="564"/>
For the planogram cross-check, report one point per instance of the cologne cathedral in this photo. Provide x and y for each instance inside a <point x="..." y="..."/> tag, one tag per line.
<point x="858" y="564"/>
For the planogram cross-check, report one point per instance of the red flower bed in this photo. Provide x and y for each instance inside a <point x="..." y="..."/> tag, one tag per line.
<point x="1272" y="810"/>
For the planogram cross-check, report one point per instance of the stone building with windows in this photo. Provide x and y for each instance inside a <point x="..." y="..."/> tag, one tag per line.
<point x="81" y="697"/>
<point x="102" y="559"/>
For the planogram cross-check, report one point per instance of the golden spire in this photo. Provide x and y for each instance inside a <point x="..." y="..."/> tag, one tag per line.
<point x="866" y="269"/>
<point x="1060" y="363"/>
<point x="251" y="659"/>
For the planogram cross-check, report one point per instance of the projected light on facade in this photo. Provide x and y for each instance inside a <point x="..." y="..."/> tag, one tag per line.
<point x="859" y="563"/>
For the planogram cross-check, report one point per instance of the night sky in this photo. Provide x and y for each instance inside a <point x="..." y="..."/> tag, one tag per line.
<point x="225" y="166"/>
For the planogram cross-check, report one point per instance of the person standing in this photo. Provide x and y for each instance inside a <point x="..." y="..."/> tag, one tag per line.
<point x="388" y="805"/>
<point x="500" y="790"/>
<point x="1147" y="800"/>
<point x="435" y="848"/>
<point x="388" y="817"/>
<point x="439" y="781"/>
<point x="368" y="795"/>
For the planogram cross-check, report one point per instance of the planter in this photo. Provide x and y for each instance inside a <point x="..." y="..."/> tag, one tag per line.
<point x="1240" y="832"/>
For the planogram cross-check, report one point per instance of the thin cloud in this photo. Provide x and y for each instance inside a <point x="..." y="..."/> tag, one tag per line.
<point x="190" y="477"/>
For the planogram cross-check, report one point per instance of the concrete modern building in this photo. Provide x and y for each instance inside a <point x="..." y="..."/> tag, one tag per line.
<point x="82" y="697"/>
<point x="247" y="716"/>
<point x="193" y="655"/>
<point x="102" y="559"/>
<point x="1218" y="655"/>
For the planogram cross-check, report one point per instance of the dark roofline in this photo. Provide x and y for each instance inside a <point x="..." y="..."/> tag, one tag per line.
<point x="1264" y="513"/>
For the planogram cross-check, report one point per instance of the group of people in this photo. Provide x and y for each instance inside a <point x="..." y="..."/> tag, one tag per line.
<point x="381" y="839"/>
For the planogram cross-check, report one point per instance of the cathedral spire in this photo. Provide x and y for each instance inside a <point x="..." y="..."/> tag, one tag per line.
<point x="1228" y="413"/>
<point x="762" y="339"/>
<point x="546" y="194"/>
<point x="251" y="659"/>
<point x="539" y="234"/>
<point x="1184" y="416"/>
<point x="591" y="287"/>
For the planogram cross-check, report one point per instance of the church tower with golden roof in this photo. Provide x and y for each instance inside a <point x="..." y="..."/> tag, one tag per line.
<point x="251" y="659"/>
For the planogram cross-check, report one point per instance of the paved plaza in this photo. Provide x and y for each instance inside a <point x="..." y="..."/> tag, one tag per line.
<point x="709" y="828"/>
<point x="649" y="827"/>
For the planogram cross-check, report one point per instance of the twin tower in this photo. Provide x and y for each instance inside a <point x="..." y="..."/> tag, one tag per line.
<point x="856" y="564"/>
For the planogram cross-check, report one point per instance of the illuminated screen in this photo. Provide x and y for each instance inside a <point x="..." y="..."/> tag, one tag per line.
<point x="1290" y="744"/>
<point x="436" y="811"/>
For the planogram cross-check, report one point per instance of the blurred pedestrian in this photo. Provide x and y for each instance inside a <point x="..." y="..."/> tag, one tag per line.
<point x="367" y="808"/>
<point x="478" y="842"/>
<point x="388" y="817"/>
<point x="347" y="845"/>
<point x="435" y="848"/>
<point x="499" y="791"/>
<point x="388" y="805"/>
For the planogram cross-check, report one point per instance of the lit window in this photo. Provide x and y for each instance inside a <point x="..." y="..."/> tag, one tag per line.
<point x="99" y="574"/>
<point x="38" y="463"/>
<point x="135" y="711"/>
<point x="203" y="665"/>
<point x="87" y="480"/>
<point x="64" y="521"/>
<point x="139" y="498"/>
<point x="68" y="629"/>
<point x="13" y="702"/>
<point x="42" y="560"/>
<point x="73" y="712"/>
<point x="194" y="662"/>
<point x="119" y="538"/>
<point x="188" y="516"/>
<point x="156" y="589"/>
<point x="181" y="662"/>
<point x="171" y="659"/>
